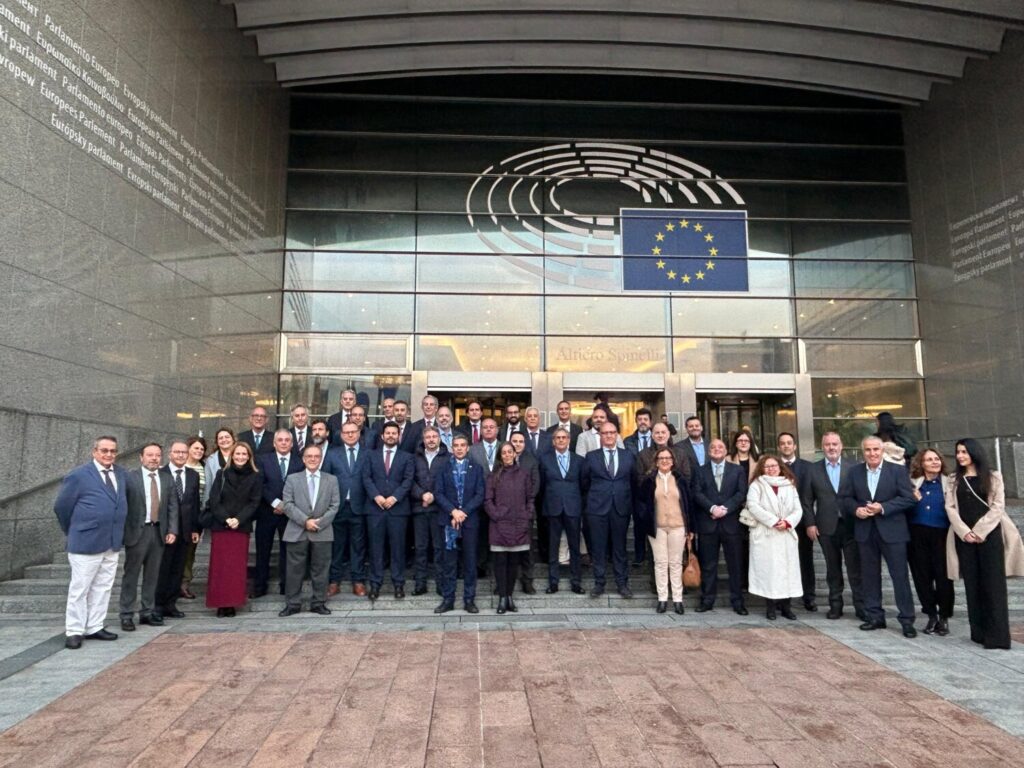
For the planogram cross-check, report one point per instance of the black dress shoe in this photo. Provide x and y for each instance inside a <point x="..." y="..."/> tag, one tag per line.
<point x="289" y="610"/>
<point x="470" y="607"/>
<point x="175" y="614"/>
<point x="787" y="613"/>
<point x="625" y="592"/>
<point x="932" y="622"/>
<point x="869" y="626"/>
<point x="810" y="605"/>
<point x="419" y="589"/>
<point x="512" y="605"/>
<point x="127" y="625"/>
<point x="741" y="610"/>
<point x="597" y="592"/>
<point x="257" y="593"/>
<point x="862" y="616"/>
<point x="679" y="608"/>
<point x="74" y="642"/>
<point x="769" y="611"/>
<point x="502" y="604"/>
<point x="102" y="634"/>
<point x="704" y="608"/>
<point x="909" y="632"/>
<point x="445" y="606"/>
<point x="578" y="590"/>
<point x="662" y="606"/>
<point x="942" y="627"/>
<point x="399" y="593"/>
<point x="321" y="610"/>
<point x="834" y="613"/>
<point x="374" y="593"/>
<point x="552" y="588"/>
<point x="229" y="612"/>
<point x="153" y="620"/>
<point x="221" y="613"/>
<point x="528" y="588"/>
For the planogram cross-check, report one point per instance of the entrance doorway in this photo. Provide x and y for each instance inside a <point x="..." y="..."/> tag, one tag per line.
<point x="764" y="415"/>
<point x="623" y="404"/>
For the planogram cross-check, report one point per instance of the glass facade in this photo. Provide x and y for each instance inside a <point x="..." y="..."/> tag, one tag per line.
<point x="483" y="234"/>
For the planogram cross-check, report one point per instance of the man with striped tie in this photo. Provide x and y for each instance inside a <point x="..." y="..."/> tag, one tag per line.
<point x="562" y="474"/>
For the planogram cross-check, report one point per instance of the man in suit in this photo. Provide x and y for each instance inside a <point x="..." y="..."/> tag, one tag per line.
<point x="300" y="428"/>
<point x="485" y="453"/>
<point x="591" y="439"/>
<point x="694" y="447"/>
<point x="574" y="430"/>
<point x="257" y="436"/>
<point x="319" y="435"/>
<point x="387" y="479"/>
<point x="879" y="494"/>
<point x="562" y="479"/>
<point x="346" y="464"/>
<point x="310" y="500"/>
<point x="91" y="507"/>
<point x="537" y="440"/>
<point x="271" y="520"/>
<point x="444" y="426"/>
<point x="512" y="424"/>
<point x="641" y="439"/>
<point x="471" y="425"/>
<point x="185" y="483"/>
<point x="786" y="444"/>
<point x="608" y="484"/>
<point x="367" y="436"/>
<point x="408" y="433"/>
<point x="428" y="406"/>
<point x="660" y="438"/>
<point x="387" y="410"/>
<point x="528" y="462"/>
<point x="152" y="522"/>
<point x="459" y="494"/>
<point x="826" y="523"/>
<point x="336" y="420"/>
<point x="720" y="491"/>
<point x="431" y="459"/>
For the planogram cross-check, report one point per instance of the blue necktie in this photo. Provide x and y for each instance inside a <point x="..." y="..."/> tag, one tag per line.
<point x="563" y="464"/>
<point x="351" y="459"/>
<point x="312" y="491"/>
<point x="284" y="468"/>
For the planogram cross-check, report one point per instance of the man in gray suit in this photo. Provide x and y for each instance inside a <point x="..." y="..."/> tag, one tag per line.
<point x="152" y="522"/>
<point x="311" y="500"/>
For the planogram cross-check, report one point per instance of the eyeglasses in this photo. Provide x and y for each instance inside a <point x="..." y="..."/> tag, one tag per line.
<point x="106" y="450"/>
<point x="665" y="458"/>
<point x="258" y="415"/>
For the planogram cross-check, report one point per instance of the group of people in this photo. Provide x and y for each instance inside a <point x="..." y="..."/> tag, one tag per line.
<point x="347" y="500"/>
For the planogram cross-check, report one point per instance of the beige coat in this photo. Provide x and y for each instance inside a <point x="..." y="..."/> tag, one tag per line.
<point x="996" y="516"/>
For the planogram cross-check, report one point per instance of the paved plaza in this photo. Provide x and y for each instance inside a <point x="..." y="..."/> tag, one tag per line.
<point x="539" y="690"/>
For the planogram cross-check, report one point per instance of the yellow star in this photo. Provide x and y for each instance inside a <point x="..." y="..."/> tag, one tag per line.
<point x="700" y="275"/>
<point x="698" y="227"/>
<point x="710" y="265"/>
<point x="671" y="275"/>
<point x="709" y="237"/>
<point x="660" y="236"/>
<point x="684" y="223"/>
<point x="686" y="278"/>
<point x="660" y="263"/>
<point x="656" y="251"/>
<point x="670" y="227"/>
<point x="713" y="252"/>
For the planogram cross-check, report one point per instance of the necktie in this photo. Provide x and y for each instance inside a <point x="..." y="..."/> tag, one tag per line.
<point x="610" y="462"/>
<point x="533" y="439"/>
<point x="351" y="459"/>
<point x="284" y="467"/>
<point x="312" y="491"/>
<point x="387" y="461"/>
<point x="643" y="442"/>
<point x="154" y="498"/>
<point x="718" y="476"/>
<point x="490" y="456"/>
<point x="179" y="485"/>
<point x="563" y="464"/>
<point x="302" y="440"/>
<point x="256" y="439"/>
<point x="107" y="480"/>
<point x="476" y="434"/>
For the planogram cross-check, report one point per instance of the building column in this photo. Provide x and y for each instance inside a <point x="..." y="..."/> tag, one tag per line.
<point x="417" y="391"/>
<point x="804" y="415"/>
<point x="546" y="392"/>
<point x="680" y="397"/>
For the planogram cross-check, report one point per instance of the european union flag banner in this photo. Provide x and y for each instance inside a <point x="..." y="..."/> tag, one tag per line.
<point x="684" y="250"/>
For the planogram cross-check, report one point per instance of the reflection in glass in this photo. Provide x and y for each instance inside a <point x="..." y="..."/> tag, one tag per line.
<point x="731" y="317"/>
<point x="322" y="394"/>
<point x="477" y="353"/>
<point x="326" y="352"/>
<point x="733" y="355"/>
<point x="463" y="273"/>
<point x="596" y="353"/>
<point x="860" y="241"/>
<point x="348" y="312"/>
<point x="852" y="431"/>
<point x="357" y="192"/>
<point x="854" y="278"/>
<point x="333" y="271"/>
<point x="866" y="398"/>
<point x="850" y="319"/>
<point x="333" y="231"/>
<point x="607" y="315"/>
<point x="492" y="314"/>
<point x="862" y="358"/>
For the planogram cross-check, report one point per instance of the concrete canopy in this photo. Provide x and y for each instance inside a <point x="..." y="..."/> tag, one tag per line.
<point x="882" y="49"/>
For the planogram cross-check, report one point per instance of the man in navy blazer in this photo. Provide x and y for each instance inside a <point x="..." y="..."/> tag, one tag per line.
<point x="431" y="460"/>
<point x="258" y="436"/>
<point x="91" y="508"/>
<point x="460" y="510"/>
<point x="719" y="493"/>
<point x="387" y="480"/>
<point x="879" y="494"/>
<point x="346" y="463"/>
<point x="185" y="483"/>
<point x="538" y="441"/>
<point x="608" y="480"/>
<point x="561" y="473"/>
<point x="270" y="518"/>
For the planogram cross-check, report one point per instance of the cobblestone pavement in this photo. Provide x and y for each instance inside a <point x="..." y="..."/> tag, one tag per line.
<point x="741" y="695"/>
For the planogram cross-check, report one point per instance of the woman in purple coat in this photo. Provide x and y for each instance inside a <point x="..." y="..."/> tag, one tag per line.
<point x="509" y="505"/>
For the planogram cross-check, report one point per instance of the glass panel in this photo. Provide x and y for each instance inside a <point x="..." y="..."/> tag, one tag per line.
<point x="349" y="353"/>
<point x="571" y="274"/>
<point x="837" y="202"/>
<point x="478" y="353"/>
<point x="478" y="314"/>
<point x="596" y="353"/>
<point x="872" y="319"/>
<point x="733" y="355"/>
<point x="852" y="278"/>
<point x="322" y="394"/>
<point x="618" y="316"/>
<point x="861" y="241"/>
<point x="480" y="274"/>
<point x="331" y="231"/>
<point x="862" y="359"/>
<point x="852" y="431"/>
<point x="348" y="312"/>
<point x="330" y="271"/>
<point x="358" y="192"/>
<point x="731" y="317"/>
<point x="439" y="233"/>
<point x="865" y="398"/>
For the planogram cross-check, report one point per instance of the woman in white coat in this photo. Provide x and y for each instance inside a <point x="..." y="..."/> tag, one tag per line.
<point x="774" y="505"/>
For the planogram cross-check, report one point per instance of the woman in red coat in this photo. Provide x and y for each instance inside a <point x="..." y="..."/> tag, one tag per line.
<point x="509" y="505"/>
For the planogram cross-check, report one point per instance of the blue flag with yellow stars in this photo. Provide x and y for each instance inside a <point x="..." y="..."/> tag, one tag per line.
<point x="695" y="251"/>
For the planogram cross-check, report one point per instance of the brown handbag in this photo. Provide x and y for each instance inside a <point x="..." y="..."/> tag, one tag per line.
<point x="691" y="571"/>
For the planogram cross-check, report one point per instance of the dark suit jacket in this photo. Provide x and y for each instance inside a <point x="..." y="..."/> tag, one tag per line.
<point x="800" y="469"/>
<point x="575" y="430"/>
<point x="473" y="493"/>
<point x="562" y="496"/>
<point x="295" y="438"/>
<point x="273" y="483"/>
<point x="820" y="501"/>
<point x="632" y="443"/>
<point x="732" y="496"/>
<point x="605" y="493"/>
<point x="136" y="491"/>
<point x="543" y="442"/>
<point x="266" y="442"/>
<point x="504" y="434"/>
<point x="188" y="507"/>
<point x="531" y="466"/>
<point x="349" y="483"/>
<point x="397" y="482"/>
<point x="894" y="493"/>
<point x="334" y="424"/>
<point x="686" y="447"/>
<point x="425" y="478"/>
<point x="90" y="513"/>
<point x="467" y="429"/>
<point x="412" y="437"/>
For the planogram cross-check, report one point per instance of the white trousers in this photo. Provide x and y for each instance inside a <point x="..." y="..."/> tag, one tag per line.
<point x="92" y="577"/>
<point x="668" y="548"/>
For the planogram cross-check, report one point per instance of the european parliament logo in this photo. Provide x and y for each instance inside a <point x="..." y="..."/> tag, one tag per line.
<point x="694" y="251"/>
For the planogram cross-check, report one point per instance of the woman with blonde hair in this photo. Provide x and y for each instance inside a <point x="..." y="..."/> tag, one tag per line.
<point x="774" y="503"/>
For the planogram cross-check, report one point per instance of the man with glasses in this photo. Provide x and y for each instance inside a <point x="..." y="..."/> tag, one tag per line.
<point x="257" y="436"/>
<point x="608" y="483"/>
<point x="562" y="479"/>
<point x="346" y="464"/>
<point x="337" y="420"/>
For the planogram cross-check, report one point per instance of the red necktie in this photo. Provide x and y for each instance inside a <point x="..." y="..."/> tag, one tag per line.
<point x="387" y="461"/>
<point x="476" y="434"/>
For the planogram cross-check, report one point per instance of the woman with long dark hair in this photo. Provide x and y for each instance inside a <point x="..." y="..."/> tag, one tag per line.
<point x="984" y="545"/>
<point x="744" y="452"/>
<point x="196" y="456"/>
<point x="665" y="517"/>
<point x="224" y="440"/>
<point x="929" y="526"/>
<point x="509" y="505"/>
<point x="897" y="445"/>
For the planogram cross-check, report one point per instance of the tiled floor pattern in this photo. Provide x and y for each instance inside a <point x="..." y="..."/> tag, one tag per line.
<point x="784" y="696"/>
